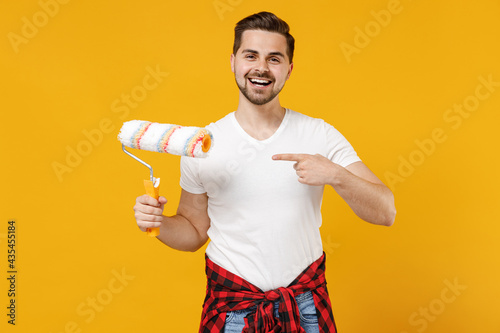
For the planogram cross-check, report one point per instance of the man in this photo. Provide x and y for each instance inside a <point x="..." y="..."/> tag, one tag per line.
<point x="258" y="198"/>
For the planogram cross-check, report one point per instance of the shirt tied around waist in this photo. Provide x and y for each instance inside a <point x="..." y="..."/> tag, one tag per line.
<point x="229" y="292"/>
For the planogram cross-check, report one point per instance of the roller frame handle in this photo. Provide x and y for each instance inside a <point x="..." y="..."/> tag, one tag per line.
<point x="154" y="192"/>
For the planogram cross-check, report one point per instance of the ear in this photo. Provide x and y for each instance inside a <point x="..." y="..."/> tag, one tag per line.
<point x="232" y="62"/>
<point x="290" y="67"/>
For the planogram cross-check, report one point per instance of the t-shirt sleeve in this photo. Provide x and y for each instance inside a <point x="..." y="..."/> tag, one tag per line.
<point x="340" y="151"/>
<point x="190" y="176"/>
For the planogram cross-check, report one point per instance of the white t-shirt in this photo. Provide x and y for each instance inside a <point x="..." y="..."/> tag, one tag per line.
<point x="264" y="223"/>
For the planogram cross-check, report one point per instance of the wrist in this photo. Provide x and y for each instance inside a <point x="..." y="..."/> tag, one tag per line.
<point x="335" y="175"/>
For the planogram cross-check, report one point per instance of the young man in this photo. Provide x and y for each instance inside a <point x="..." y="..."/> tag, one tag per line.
<point x="258" y="198"/>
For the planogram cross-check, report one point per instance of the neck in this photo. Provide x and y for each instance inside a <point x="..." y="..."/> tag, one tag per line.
<point x="260" y="121"/>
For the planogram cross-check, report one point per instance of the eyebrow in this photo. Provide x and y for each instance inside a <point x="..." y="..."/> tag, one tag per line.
<point x="275" y="53"/>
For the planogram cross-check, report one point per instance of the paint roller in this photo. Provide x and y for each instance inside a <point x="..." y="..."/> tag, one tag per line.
<point x="163" y="138"/>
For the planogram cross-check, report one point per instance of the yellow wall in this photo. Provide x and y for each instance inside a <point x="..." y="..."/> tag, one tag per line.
<point x="405" y="81"/>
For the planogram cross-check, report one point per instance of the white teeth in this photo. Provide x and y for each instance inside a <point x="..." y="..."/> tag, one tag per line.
<point x="260" y="81"/>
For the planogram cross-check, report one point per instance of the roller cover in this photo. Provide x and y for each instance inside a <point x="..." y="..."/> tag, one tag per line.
<point x="166" y="138"/>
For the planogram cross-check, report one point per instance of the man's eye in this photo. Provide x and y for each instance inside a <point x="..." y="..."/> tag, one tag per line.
<point x="275" y="60"/>
<point x="250" y="56"/>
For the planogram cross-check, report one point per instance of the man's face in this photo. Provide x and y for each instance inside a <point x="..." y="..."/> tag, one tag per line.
<point x="261" y="65"/>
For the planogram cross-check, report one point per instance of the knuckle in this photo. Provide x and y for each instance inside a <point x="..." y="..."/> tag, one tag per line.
<point x="152" y="210"/>
<point x="138" y="208"/>
<point x="139" y="218"/>
<point x="151" y="225"/>
<point x="144" y="224"/>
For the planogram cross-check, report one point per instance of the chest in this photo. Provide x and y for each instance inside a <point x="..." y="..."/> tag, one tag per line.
<point x="239" y="169"/>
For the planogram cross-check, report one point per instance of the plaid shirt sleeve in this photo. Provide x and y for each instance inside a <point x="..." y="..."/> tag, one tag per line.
<point x="229" y="292"/>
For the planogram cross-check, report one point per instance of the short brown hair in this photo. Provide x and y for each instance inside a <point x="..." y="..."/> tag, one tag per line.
<point x="267" y="22"/>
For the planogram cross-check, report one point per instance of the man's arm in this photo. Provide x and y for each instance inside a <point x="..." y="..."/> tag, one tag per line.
<point x="367" y="196"/>
<point x="185" y="231"/>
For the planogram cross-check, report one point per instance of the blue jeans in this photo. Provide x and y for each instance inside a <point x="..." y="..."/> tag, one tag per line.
<point x="308" y="318"/>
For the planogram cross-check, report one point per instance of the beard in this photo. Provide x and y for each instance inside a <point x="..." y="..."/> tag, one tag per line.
<point x="256" y="96"/>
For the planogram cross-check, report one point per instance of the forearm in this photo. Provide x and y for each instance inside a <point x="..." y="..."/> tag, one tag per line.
<point x="180" y="234"/>
<point x="372" y="202"/>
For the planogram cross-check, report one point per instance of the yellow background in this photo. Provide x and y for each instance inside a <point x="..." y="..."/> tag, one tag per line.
<point x="76" y="230"/>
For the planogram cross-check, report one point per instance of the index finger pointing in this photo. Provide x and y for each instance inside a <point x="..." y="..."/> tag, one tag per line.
<point x="289" y="157"/>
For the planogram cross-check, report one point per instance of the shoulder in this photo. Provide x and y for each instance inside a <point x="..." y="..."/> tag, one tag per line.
<point x="304" y="121"/>
<point x="317" y="127"/>
<point x="221" y="123"/>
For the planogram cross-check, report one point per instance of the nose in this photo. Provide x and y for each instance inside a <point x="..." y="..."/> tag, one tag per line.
<point x="262" y="66"/>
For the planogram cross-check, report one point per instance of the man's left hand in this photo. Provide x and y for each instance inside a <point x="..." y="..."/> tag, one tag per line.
<point x="315" y="170"/>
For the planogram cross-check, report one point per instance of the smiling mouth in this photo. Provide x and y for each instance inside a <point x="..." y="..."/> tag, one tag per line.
<point x="260" y="82"/>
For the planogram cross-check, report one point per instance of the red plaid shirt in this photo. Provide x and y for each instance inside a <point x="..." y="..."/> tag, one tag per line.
<point x="229" y="292"/>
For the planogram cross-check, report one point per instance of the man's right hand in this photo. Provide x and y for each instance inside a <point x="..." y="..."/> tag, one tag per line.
<point x="184" y="231"/>
<point x="149" y="211"/>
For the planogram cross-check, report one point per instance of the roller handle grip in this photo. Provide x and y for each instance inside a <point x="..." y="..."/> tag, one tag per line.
<point x="154" y="192"/>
